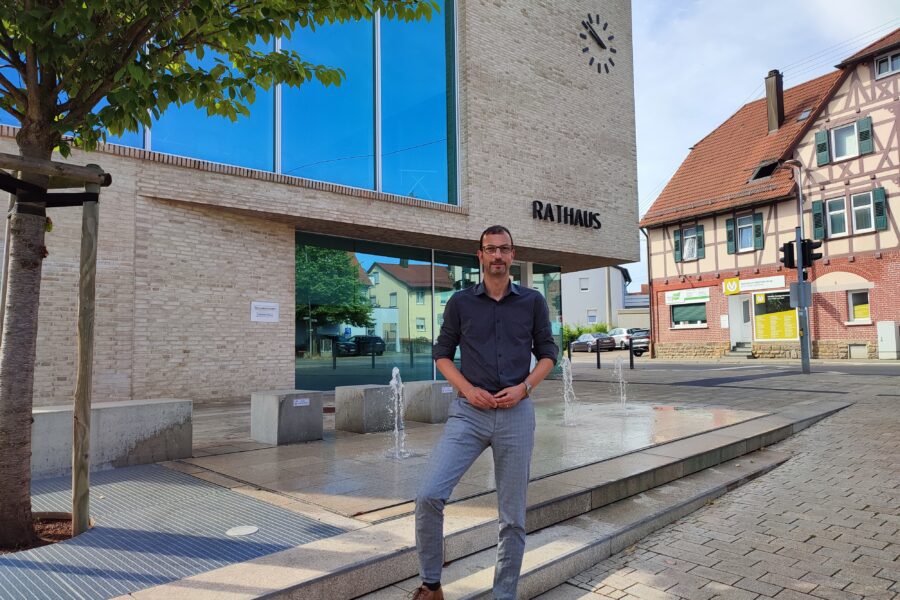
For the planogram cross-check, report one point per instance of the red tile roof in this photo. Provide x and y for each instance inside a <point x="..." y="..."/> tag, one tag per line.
<point x="877" y="47"/>
<point x="417" y="276"/>
<point x="363" y="278"/>
<point x="715" y="176"/>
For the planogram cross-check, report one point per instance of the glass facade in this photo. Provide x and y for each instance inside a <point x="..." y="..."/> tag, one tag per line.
<point x="401" y="141"/>
<point x="364" y="308"/>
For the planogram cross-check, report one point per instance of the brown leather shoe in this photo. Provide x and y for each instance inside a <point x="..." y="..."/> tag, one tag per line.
<point x="423" y="593"/>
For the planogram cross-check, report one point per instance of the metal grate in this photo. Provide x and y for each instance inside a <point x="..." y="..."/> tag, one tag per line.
<point x="152" y="526"/>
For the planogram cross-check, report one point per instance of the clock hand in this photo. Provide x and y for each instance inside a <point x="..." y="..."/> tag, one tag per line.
<point x="595" y="35"/>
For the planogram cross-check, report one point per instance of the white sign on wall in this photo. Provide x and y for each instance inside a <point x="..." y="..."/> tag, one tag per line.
<point x="264" y="312"/>
<point x="738" y="286"/>
<point x="688" y="296"/>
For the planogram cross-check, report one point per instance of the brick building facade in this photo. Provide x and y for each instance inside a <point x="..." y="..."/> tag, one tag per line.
<point x="186" y="245"/>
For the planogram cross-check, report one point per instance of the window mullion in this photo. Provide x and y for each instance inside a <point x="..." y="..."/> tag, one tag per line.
<point x="277" y="118"/>
<point x="377" y="66"/>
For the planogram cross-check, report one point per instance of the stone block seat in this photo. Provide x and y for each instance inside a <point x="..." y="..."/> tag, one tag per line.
<point x="363" y="408"/>
<point x="428" y="401"/>
<point x="286" y="416"/>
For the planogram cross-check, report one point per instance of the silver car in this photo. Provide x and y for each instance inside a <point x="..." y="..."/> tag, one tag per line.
<point x="623" y="335"/>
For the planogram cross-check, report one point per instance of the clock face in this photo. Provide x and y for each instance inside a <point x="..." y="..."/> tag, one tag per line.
<point x="598" y="40"/>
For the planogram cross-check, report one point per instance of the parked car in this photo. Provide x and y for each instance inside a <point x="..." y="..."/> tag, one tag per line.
<point x="622" y="335"/>
<point x="640" y="342"/>
<point x="345" y="347"/>
<point x="590" y="342"/>
<point x="365" y="344"/>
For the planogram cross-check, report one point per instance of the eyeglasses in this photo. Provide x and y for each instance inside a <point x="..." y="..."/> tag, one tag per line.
<point x="495" y="249"/>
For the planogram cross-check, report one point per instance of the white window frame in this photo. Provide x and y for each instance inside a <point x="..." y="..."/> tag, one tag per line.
<point x="748" y="223"/>
<point x="829" y="212"/>
<point x="374" y="277"/>
<point x="584" y="284"/>
<point x="834" y="156"/>
<point x="851" y="320"/>
<point x="420" y="296"/>
<point x="686" y="234"/>
<point x="420" y="323"/>
<point x="890" y="57"/>
<point x="591" y="314"/>
<point x="703" y="325"/>
<point x="392" y="300"/>
<point x="871" y="208"/>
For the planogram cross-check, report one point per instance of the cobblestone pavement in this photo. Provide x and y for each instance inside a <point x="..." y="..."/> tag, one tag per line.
<point x="825" y="525"/>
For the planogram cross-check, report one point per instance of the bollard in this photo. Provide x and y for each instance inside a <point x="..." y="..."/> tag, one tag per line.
<point x="597" y="350"/>
<point x="631" y="353"/>
<point x="334" y="354"/>
<point x="411" y="359"/>
<point x="373" y="355"/>
<point x="569" y="350"/>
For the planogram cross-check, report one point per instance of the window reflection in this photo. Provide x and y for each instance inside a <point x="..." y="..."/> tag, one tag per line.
<point x="248" y="142"/>
<point x="329" y="132"/>
<point x="414" y="108"/>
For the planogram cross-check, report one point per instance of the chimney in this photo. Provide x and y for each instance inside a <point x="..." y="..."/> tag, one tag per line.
<point x="774" y="100"/>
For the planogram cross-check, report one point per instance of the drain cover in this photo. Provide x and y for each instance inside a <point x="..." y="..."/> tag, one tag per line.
<point x="242" y="530"/>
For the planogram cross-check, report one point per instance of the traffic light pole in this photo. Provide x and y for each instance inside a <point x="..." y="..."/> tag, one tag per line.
<point x="802" y="310"/>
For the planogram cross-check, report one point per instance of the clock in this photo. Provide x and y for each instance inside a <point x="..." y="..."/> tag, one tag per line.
<point x="599" y="43"/>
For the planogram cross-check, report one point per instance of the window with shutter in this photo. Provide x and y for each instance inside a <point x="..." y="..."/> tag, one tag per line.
<point x="864" y="135"/>
<point x="758" y="231"/>
<point x="689" y="314"/>
<point x="677" y="245"/>
<point x="701" y="252"/>
<point x="818" y="218"/>
<point x="880" y="201"/>
<point x="822" y="148"/>
<point x="729" y="235"/>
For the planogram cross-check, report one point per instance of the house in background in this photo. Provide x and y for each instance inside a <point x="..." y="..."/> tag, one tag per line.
<point x="601" y="296"/>
<point x="406" y="289"/>
<point x="714" y="233"/>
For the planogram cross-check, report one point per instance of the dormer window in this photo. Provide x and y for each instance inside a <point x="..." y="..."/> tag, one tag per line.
<point x="765" y="170"/>
<point x="805" y="114"/>
<point x="887" y="65"/>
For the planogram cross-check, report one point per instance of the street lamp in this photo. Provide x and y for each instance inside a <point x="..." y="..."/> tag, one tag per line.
<point x="802" y="308"/>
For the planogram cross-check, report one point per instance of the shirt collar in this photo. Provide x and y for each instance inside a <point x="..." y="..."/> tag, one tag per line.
<point x="512" y="289"/>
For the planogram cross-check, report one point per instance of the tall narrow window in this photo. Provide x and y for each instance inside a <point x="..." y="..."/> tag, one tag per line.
<point x="844" y="143"/>
<point x="583" y="284"/>
<point x="837" y="217"/>
<point x="420" y="296"/>
<point x="863" y="215"/>
<point x="689" y="243"/>
<point x="859" y="306"/>
<point x="745" y="233"/>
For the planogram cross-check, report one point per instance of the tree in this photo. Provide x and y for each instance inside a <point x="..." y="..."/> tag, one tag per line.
<point x="72" y="71"/>
<point x="329" y="289"/>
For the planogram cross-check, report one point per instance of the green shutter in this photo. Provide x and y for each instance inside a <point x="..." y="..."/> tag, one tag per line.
<point x="678" y="245"/>
<point x="757" y="231"/>
<point x="818" y="218"/>
<point x="864" y="135"/>
<point x="701" y="253"/>
<point x="729" y="234"/>
<point x="821" y="148"/>
<point x="689" y="313"/>
<point x="881" y="221"/>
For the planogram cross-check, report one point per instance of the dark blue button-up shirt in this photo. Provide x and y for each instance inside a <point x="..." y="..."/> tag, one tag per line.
<point x="496" y="339"/>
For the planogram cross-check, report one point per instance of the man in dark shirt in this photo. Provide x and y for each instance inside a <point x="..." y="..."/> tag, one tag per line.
<point x="497" y="326"/>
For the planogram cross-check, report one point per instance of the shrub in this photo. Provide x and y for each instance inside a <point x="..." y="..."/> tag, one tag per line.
<point x="571" y="333"/>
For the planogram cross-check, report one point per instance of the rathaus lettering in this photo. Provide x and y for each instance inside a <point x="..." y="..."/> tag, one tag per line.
<point x="565" y="215"/>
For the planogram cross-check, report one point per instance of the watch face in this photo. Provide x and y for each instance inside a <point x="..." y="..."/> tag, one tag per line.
<point x="598" y="43"/>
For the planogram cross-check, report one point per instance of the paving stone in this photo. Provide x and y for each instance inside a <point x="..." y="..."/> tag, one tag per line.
<point x="832" y="594"/>
<point x="727" y="592"/>
<point x="758" y="587"/>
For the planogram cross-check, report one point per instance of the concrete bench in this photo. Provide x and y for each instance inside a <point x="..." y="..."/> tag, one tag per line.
<point x="363" y="408"/>
<point x="428" y="401"/>
<point x="122" y="434"/>
<point x="286" y="416"/>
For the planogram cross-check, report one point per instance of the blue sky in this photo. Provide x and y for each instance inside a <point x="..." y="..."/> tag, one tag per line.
<point x="698" y="61"/>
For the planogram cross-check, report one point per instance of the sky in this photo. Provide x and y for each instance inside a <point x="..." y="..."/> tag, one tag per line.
<point x="698" y="61"/>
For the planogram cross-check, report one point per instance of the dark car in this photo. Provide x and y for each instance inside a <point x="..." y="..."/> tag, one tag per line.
<point x="345" y="347"/>
<point x="365" y="344"/>
<point x="590" y="342"/>
<point x="640" y="341"/>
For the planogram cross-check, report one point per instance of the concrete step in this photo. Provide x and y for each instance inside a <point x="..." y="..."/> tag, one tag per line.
<point x="380" y="554"/>
<point x="555" y="554"/>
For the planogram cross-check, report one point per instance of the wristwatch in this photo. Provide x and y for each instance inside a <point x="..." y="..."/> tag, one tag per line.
<point x="528" y="387"/>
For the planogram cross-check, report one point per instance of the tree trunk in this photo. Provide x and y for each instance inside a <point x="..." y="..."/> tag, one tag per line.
<point x="17" y="355"/>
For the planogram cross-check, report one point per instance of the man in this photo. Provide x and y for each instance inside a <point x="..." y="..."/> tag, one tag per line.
<point x="497" y="326"/>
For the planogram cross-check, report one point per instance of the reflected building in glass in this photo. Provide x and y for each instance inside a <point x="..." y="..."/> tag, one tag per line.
<point x="356" y="209"/>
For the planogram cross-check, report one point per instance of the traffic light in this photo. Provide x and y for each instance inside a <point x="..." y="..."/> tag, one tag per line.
<point x="809" y="257"/>
<point x="787" y="255"/>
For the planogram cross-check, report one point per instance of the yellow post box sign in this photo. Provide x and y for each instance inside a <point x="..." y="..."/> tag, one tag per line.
<point x="732" y="286"/>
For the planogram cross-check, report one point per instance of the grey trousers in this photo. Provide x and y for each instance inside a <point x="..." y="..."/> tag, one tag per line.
<point x="469" y="430"/>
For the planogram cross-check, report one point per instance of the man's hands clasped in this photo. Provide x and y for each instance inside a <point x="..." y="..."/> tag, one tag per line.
<point x="505" y="398"/>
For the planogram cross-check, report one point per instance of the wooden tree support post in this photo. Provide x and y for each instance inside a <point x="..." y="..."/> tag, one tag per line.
<point x="82" y="414"/>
